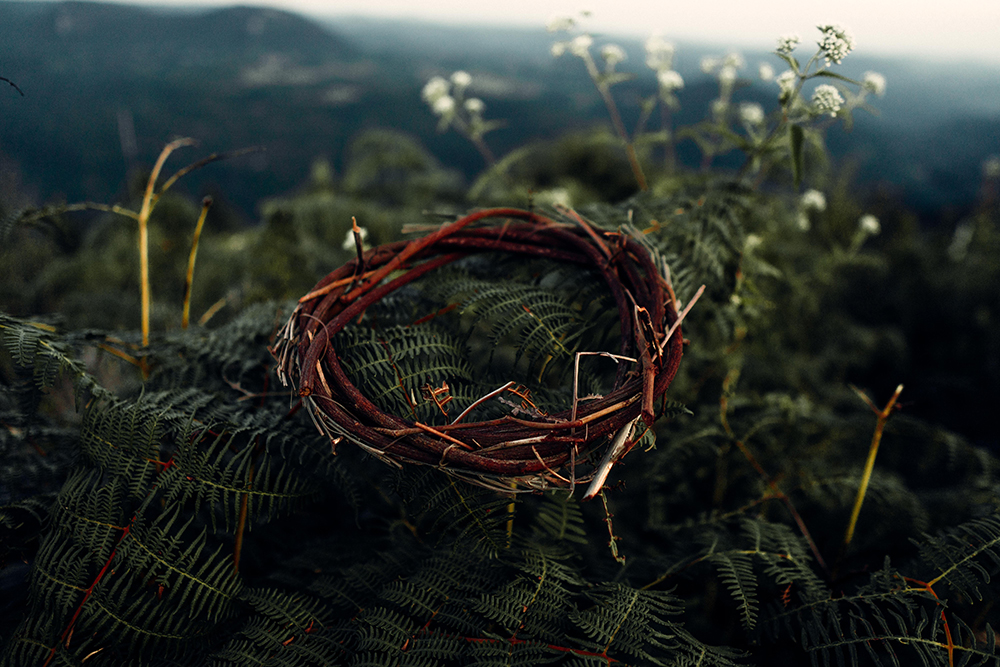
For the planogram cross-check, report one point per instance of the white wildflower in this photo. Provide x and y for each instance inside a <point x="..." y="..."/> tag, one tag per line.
<point x="461" y="79"/>
<point x="827" y="99"/>
<point x="719" y="108"/>
<point x="670" y="79"/>
<point x="659" y="53"/>
<point x="869" y="224"/>
<point x="474" y="106"/>
<point x="787" y="43"/>
<point x="874" y="82"/>
<point x="813" y="200"/>
<point x="766" y="72"/>
<point x="836" y="43"/>
<point x="435" y="89"/>
<point x="708" y="64"/>
<point x="554" y="197"/>
<point x="349" y="241"/>
<point x="991" y="167"/>
<point x="580" y="46"/>
<point x="959" y="247"/>
<point x="612" y="54"/>
<point x="558" y="48"/>
<point x="734" y="60"/>
<point x="559" y="22"/>
<point x="803" y="221"/>
<point x="752" y="113"/>
<point x="752" y="242"/>
<point x="786" y="82"/>
<point x="444" y="105"/>
<point x="727" y="75"/>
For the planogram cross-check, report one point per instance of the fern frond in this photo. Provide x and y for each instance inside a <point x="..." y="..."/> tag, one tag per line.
<point x="39" y="348"/>
<point x="469" y="515"/>
<point x="559" y="518"/>
<point x="965" y="557"/>
<point x="631" y="622"/>
<point x="736" y="571"/>
<point x="534" y="604"/>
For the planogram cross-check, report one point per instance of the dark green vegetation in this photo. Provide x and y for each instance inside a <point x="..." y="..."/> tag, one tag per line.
<point x="172" y="505"/>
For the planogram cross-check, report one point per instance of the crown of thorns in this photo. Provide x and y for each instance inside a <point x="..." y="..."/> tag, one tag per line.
<point x="562" y="450"/>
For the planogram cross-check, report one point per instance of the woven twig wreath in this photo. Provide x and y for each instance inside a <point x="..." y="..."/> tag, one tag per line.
<point x="577" y="446"/>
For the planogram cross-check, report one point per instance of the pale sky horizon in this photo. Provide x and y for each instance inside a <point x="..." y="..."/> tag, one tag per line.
<point x="951" y="31"/>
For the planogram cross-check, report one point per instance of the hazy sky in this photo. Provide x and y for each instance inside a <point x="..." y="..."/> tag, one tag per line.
<point x="952" y="29"/>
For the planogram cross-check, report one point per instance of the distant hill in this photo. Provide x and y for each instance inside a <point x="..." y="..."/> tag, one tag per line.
<point x="101" y="40"/>
<point x="107" y="84"/>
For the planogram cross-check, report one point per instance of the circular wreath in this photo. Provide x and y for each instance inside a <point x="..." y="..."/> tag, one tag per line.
<point x="575" y="446"/>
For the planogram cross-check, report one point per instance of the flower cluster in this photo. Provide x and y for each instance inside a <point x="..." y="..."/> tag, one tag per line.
<point x="659" y="53"/>
<point x="726" y="70"/>
<point x="612" y="54"/>
<point x="447" y="99"/>
<point x="660" y="59"/>
<point x="752" y="114"/>
<point x="560" y="23"/>
<point x="813" y="200"/>
<point x="786" y="84"/>
<point x="869" y="225"/>
<point x="444" y="100"/>
<point x="787" y="43"/>
<point x="835" y="43"/>
<point x="873" y="82"/>
<point x="827" y="99"/>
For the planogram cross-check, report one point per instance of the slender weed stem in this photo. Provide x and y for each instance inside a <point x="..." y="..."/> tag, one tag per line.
<point x="883" y="417"/>
<point x="206" y="204"/>
<point x="144" y="212"/>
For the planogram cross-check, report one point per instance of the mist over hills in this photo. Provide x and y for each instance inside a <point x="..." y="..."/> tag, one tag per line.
<point x="106" y="85"/>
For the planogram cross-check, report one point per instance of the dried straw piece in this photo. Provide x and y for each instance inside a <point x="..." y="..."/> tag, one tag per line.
<point x="561" y="451"/>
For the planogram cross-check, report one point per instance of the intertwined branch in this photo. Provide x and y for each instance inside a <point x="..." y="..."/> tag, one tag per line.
<point x="558" y="450"/>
